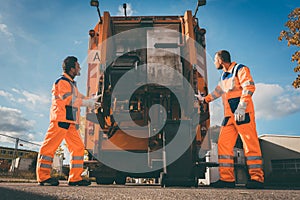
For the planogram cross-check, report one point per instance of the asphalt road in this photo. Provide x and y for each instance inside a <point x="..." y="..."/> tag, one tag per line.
<point x="31" y="191"/>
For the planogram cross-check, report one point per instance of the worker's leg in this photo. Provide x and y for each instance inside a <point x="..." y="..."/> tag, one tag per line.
<point x="76" y="148"/>
<point x="53" y="139"/>
<point x="227" y="139"/>
<point x="252" y="148"/>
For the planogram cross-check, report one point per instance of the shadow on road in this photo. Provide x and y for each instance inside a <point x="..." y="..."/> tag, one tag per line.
<point x="8" y="194"/>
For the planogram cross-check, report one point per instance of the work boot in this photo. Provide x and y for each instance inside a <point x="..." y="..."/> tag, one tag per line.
<point x="223" y="184"/>
<point x="49" y="182"/>
<point x="80" y="183"/>
<point x="252" y="184"/>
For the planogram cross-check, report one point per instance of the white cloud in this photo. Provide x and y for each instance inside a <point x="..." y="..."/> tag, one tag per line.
<point x="40" y="115"/>
<point x="129" y="10"/>
<point x="20" y="100"/>
<point x="35" y="98"/>
<point x="11" y="120"/>
<point x="15" y="90"/>
<point x="77" y="42"/>
<point x="273" y="101"/>
<point x="14" y="124"/>
<point x="5" y="94"/>
<point x="4" y="30"/>
<point x="26" y="98"/>
<point x="11" y="34"/>
<point x="31" y="136"/>
<point x="6" y="110"/>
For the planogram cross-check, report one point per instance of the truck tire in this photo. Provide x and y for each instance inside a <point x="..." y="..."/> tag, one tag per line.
<point x="120" y="180"/>
<point x="104" y="180"/>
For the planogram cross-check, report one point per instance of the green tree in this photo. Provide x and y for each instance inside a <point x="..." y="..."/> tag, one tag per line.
<point x="292" y="35"/>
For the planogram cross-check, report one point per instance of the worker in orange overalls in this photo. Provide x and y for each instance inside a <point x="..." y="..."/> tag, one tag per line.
<point x="236" y="88"/>
<point x="64" y="124"/>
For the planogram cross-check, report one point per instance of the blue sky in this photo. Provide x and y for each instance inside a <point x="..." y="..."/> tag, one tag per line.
<point x="35" y="36"/>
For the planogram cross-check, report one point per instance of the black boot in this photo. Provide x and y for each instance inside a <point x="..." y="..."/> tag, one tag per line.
<point x="80" y="183"/>
<point x="223" y="184"/>
<point x="49" y="182"/>
<point x="252" y="184"/>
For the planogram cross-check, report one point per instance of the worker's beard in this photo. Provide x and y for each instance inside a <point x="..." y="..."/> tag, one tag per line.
<point x="220" y="66"/>
<point x="73" y="74"/>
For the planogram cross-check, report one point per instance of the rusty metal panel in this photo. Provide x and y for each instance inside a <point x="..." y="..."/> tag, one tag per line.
<point x="161" y="62"/>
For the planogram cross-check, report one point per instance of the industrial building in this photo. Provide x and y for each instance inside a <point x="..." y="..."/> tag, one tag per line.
<point x="281" y="156"/>
<point x="7" y="155"/>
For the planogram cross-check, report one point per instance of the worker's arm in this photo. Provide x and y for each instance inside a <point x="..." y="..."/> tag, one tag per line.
<point x="82" y="96"/>
<point x="215" y="94"/>
<point x="247" y="84"/>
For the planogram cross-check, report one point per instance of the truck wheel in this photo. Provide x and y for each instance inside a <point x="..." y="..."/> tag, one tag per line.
<point x="196" y="182"/>
<point x="104" y="180"/>
<point x="120" y="180"/>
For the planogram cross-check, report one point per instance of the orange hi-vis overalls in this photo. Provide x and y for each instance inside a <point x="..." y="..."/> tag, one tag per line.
<point x="237" y="86"/>
<point x="64" y="121"/>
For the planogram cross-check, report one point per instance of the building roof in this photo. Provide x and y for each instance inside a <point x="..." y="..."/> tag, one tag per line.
<point x="23" y="150"/>
<point x="289" y="142"/>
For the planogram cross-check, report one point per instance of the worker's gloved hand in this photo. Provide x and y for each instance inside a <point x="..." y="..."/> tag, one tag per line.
<point x="239" y="114"/>
<point x="200" y="97"/>
<point x="91" y="102"/>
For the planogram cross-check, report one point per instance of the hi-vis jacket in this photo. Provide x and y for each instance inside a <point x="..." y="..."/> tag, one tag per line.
<point x="66" y="100"/>
<point x="236" y="86"/>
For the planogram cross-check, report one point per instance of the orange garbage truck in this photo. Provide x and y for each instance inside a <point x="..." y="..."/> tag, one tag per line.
<point x="149" y="123"/>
